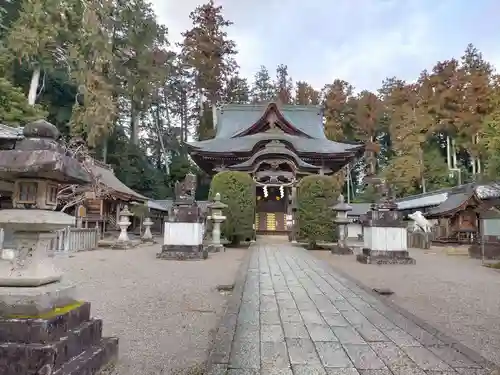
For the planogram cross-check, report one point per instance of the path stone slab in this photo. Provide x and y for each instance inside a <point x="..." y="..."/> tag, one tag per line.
<point x="302" y="352"/>
<point x="363" y="357"/>
<point x="295" y="330"/>
<point x="348" y="335"/>
<point x="397" y="361"/>
<point x="342" y="371"/>
<point x="274" y="355"/>
<point x="425" y="359"/>
<point x="308" y="370"/>
<point x="271" y="332"/>
<point x="320" y="332"/>
<point x="332" y="354"/>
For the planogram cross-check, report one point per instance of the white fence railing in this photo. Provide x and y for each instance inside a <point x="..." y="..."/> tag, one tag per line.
<point x="68" y="240"/>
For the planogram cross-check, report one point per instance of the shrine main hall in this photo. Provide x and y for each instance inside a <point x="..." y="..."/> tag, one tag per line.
<point x="277" y="145"/>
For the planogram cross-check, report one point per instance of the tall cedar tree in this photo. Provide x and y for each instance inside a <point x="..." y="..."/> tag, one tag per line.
<point x="283" y="85"/>
<point x="210" y="53"/>
<point x="305" y="94"/>
<point x="262" y="89"/>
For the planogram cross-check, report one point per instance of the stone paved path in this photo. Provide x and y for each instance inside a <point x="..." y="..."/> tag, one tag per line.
<point x="296" y="316"/>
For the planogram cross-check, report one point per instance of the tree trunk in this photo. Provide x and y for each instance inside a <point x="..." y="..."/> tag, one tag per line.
<point x="448" y="152"/>
<point x="35" y="80"/>
<point x="134" y="124"/>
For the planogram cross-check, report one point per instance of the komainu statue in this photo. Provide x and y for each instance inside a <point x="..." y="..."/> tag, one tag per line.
<point x="420" y="222"/>
<point x="185" y="190"/>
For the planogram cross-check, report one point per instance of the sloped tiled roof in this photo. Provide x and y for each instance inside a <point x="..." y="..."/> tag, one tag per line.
<point x="111" y="181"/>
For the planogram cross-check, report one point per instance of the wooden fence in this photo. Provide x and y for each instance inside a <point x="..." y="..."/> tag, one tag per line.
<point x="68" y="240"/>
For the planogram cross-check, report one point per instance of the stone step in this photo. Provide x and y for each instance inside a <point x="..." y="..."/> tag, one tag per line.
<point x="30" y="331"/>
<point x="29" y="359"/>
<point x="92" y="360"/>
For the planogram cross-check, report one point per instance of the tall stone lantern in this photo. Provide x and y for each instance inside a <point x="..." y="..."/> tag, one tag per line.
<point x="43" y="326"/>
<point x="123" y="240"/>
<point x="342" y="221"/>
<point x="217" y="218"/>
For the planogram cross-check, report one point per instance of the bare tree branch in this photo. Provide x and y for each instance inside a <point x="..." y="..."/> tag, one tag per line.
<point x="73" y="195"/>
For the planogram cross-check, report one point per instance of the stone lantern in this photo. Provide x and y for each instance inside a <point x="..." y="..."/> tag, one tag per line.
<point x="38" y="310"/>
<point x="217" y="218"/>
<point x="123" y="241"/>
<point x="147" y="237"/>
<point x="342" y="221"/>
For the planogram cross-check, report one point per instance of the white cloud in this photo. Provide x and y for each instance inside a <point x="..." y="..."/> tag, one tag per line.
<point x="361" y="41"/>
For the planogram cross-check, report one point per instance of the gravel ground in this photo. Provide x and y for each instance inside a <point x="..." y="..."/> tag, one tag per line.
<point x="163" y="311"/>
<point x="455" y="294"/>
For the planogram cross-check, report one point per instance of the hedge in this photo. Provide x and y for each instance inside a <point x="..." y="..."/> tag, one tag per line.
<point x="237" y="190"/>
<point x="315" y="197"/>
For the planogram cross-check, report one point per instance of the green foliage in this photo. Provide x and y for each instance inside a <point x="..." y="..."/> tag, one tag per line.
<point x="237" y="190"/>
<point x="316" y="195"/>
<point x="14" y="107"/>
<point x="132" y="167"/>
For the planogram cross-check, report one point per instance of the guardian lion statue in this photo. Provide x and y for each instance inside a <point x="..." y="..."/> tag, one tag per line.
<point x="420" y="223"/>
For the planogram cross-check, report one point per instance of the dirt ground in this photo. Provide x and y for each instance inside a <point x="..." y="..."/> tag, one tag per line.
<point x="162" y="311"/>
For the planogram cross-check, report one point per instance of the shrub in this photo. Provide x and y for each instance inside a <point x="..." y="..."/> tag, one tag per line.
<point x="237" y="190"/>
<point x="315" y="197"/>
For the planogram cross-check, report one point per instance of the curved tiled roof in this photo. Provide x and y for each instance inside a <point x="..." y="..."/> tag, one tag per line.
<point x="234" y="118"/>
<point x="301" y="144"/>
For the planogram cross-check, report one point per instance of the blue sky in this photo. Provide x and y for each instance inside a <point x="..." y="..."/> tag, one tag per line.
<point x="361" y="41"/>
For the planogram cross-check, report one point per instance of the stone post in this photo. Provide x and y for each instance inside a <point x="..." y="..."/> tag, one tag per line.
<point x="342" y="221"/>
<point x="123" y="241"/>
<point x="147" y="237"/>
<point x="217" y="218"/>
<point x="38" y="311"/>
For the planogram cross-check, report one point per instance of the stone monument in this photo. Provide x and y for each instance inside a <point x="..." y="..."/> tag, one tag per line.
<point x="385" y="233"/>
<point x="44" y="329"/>
<point x="123" y="241"/>
<point x="341" y="208"/>
<point x="183" y="235"/>
<point x="217" y="218"/>
<point x="147" y="236"/>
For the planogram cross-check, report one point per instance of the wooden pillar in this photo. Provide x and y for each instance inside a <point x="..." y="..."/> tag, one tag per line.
<point x="294" y="213"/>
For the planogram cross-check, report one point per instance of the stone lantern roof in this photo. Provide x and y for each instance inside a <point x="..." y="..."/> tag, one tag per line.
<point x="40" y="155"/>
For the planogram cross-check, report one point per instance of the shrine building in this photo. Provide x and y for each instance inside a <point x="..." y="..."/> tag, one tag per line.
<point x="277" y="145"/>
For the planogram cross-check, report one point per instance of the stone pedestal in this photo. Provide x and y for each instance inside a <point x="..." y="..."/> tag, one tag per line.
<point x="62" y="341"/>
<point x="385" y="239"/>
<point x="147" y="237"/>
<point x="183" y="235"/>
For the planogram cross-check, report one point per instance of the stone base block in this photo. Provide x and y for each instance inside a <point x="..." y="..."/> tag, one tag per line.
<point x="183" y="252"/>
<point x="35" y="301"/>
<point x="125" y="245"/>
<point x="148" y="241"/>
<point x="67" y="343"/>
<point x="212" y="248"/>
<point x="369" y="256"/>
<point x="340" y="250"/>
